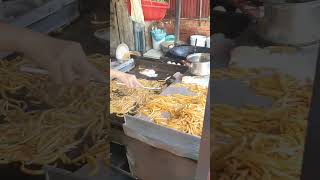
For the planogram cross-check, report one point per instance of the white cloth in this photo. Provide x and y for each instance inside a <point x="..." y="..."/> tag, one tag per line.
<point x="137" y="12"/>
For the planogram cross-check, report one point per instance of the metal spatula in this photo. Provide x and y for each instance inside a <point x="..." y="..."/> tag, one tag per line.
<point x="35" y="70"/>
<point x="148" y="88"/>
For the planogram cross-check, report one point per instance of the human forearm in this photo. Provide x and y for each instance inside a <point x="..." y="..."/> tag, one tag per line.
<point x="114" y="74"/>
<point x="63" y="59"/>
<point x="25" y="41"/>
<point x="128" y="79"/>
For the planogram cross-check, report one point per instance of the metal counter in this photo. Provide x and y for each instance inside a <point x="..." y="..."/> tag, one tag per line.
<point x="152" y="163"/>
<point x="145" y="161"/>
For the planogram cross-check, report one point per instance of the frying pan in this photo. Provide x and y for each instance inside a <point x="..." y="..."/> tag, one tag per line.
<point x="182" y="51"/>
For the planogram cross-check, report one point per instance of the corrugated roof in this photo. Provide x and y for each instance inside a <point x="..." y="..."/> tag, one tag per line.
<point x="191" y="8"/>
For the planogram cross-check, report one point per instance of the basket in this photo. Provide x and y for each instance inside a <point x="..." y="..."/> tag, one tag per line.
<point x="152" y="11"/>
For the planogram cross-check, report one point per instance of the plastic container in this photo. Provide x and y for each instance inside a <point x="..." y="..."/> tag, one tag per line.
<point x="152" y="11"/>
<point x="156" y="44"/>
<point x="201" y="40"/>
<point x="170" y="38"/>
<point x="158" y="36"/>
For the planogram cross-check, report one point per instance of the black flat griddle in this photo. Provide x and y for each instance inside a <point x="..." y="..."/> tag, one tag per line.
<point x="163" y="70"/>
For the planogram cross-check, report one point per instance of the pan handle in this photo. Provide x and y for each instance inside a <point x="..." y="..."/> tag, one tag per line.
<point x="187" y="63"/>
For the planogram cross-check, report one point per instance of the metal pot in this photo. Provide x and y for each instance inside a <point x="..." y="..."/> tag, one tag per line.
<point x="199" y="64"/>
<point x="291" y="23"/>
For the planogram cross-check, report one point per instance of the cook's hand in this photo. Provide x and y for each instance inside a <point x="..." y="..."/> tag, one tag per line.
<point x="63" y="59"/>
<point x="129" y="80"/>
<point x="65" y="62"/>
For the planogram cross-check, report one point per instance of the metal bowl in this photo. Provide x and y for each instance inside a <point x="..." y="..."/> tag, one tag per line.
<point x="199" y="64"/>
<point x="291" y="23"/>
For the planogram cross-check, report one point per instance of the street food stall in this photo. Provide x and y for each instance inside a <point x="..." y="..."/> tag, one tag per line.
<point x="265" y="93"/>
<point x="160" y="128"/>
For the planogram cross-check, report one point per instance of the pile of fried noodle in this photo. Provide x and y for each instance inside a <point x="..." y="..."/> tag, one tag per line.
<point x="35" y="131"/>
<point x="125" y="100"/>
<point x="266" y="143"/>
<point x="180" y="112"/>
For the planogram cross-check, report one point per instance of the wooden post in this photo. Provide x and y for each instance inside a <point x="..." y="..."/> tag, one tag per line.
<point x="177" y="23"/>
<point x="114" y="31"/>
<point x="121" y="27"/>
<point x="125" y="24"/>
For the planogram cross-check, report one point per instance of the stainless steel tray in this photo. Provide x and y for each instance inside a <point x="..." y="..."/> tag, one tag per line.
<point x="176" y="142"/>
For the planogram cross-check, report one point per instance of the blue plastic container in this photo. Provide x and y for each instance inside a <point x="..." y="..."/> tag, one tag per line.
<point x="158" y="34"/>
<point x="170" y="38"/>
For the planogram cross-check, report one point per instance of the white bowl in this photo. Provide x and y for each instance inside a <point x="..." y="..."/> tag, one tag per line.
<point x="122" y="49"/>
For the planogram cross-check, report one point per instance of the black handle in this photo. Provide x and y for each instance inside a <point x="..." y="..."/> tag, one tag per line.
<point x="195" y="46"/>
